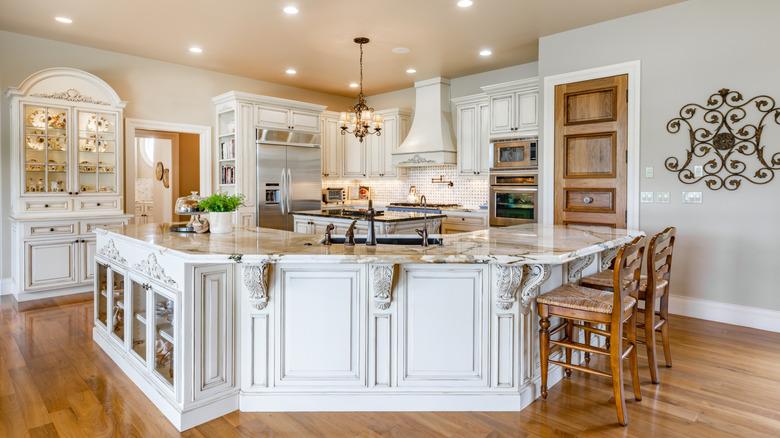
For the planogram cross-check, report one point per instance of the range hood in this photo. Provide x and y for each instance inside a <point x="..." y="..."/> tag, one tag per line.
<point x="430" y="139"/>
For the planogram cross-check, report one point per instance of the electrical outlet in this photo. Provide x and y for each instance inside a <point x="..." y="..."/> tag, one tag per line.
<point x="649" y="172"/>
<point x="646" y="198"/>
<point x="662" y="197"/>
<point x="691" y="197"/>
<point x="698" y="171"/>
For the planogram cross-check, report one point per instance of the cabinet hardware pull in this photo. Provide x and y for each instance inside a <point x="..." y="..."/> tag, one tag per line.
<point x="98" y="204"/>
<point x="587" y="200"/>
<point x="51" y="229"/>
<point x="45" y="205"/>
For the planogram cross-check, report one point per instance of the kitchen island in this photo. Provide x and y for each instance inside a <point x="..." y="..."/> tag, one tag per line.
<point x="269" y="320"/>
<point x="386" y="222"/>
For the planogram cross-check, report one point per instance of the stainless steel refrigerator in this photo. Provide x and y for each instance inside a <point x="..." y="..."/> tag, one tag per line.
<point x="288" y="176"/>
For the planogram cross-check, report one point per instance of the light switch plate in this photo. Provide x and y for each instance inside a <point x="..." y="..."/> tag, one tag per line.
<point x="646" y="198"/>
<point x="649" y="172"/>
<point x="663" y="197"/>
<point x="691" y="197"/>
<point x="698" y="171"/>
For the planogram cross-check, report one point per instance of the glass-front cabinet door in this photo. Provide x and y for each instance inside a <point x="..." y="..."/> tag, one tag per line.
<point x="97" y="160"/>
<point x="45" y="149"/>
<point x="118" y="305"/>
<point x="101" y="297"/>
<point x="164" y="341"/>
<point x="138" y="321"/>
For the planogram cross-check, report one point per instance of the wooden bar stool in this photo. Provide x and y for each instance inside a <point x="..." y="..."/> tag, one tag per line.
<point x="574" y="303"/>
<point x="651" y="288"/>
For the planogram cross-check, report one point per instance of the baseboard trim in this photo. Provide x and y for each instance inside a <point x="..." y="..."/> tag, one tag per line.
<point x="735" y="314"/>
<point x="33" y="296"/>
<point x="6" y="286"/>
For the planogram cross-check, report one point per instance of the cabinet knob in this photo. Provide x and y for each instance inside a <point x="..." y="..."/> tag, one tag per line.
<point x="98" y="204"/>
<point x="45" y="205"/>
<point x="587" y="200"/>
<point x="51" y="230"/>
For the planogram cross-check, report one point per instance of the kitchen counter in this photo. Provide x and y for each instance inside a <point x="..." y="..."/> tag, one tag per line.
<point x="386" y="216"/>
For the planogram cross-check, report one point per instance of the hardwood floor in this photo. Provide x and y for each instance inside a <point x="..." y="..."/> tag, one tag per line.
<point x="54" y="381"/>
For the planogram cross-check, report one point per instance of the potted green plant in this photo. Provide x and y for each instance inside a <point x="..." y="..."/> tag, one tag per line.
<point x="220" y="207"/>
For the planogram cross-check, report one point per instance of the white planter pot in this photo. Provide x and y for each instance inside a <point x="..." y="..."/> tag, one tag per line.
<point x="220" y="223"/>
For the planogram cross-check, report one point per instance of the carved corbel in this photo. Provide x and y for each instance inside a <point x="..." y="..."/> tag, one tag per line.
<point x="255" y="278"/>
<point x="607" y="256"/>
<point x="523" y="278"/>
<point x="576" y="266"/>
<point x="382" y="283"/>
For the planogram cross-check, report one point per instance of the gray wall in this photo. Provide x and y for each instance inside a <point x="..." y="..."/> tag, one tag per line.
<point x="154" y="90"/>
<point x="729" y="246"/>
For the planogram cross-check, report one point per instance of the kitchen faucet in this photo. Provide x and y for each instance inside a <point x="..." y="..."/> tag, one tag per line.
<point x="424" y="232"/>
<point x="349" y="237"/>
<point x="328" y="230"/>
<point x="371" y="237"/>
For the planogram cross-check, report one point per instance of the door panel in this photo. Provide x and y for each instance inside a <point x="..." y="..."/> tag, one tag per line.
<point x="305" y="182"/>
<point x="270" y="180"/>
<point x="467" y="139"/>
<point x="273" y="117"/>
<point x="591" y="144"/>
<point x="354" y="157"/>
<point x="50" y="264"/>
<point x="502" y="113"/>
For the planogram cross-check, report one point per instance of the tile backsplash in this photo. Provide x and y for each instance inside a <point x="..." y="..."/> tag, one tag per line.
<point x="469" y="191"/>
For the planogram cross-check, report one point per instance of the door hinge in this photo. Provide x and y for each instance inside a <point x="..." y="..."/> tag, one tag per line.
<point x="626" y="95"/>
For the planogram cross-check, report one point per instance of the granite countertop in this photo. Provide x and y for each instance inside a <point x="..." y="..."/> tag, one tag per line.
<point x="527" y="243"/>
<point x="386" y="216"/>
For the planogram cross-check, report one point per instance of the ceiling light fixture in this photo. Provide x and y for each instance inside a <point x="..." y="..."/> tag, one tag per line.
<point x="291" y="71"/>
<point x="63" y="20"/>
<point x="411" y="71"/>
<point x="290" y="10"/>
<point x="196" y="49"/>
<point x="465" y="3"/>
<point x="401" y="50"/>
<point x="360" y="120"/>
<point x="353" y="85"/>
<point x="485" y="52"/>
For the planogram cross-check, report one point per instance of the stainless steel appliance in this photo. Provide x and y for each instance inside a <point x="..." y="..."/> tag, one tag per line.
<point x="513" y="198"/>
<point x="288" y="176"/>
<point x="334" y="195"/>
<point x="514" y="154"/>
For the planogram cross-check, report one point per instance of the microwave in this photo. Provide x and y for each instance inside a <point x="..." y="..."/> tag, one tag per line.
<point x="334" y="195"/>
<point x="514" y="154"/>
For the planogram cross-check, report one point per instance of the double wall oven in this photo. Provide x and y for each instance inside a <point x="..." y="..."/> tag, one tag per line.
<point x="514" y="182"/>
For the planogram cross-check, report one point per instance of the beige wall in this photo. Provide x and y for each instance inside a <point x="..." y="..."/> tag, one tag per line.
<point x="153" y="90"/>
<point x="728" y="246"/>
<point x="189" y="164"/>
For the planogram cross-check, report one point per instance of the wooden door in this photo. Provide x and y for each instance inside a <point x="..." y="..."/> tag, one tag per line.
<point x="591" y="152"/>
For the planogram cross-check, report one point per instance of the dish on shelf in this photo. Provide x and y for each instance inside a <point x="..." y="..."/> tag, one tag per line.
<point x="33" y="186"/>
<point x="37" y="143"/>
<point x="87" y="188"/>
<point x="93" y="145"/>
<point x="39" y="118"/>
<point x="105" y="189"/>
<point x="33" y="165"/>
<point x="97" y="123"/>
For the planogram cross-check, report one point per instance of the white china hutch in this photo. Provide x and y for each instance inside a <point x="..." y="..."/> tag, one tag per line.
<point x="66" y="178"/>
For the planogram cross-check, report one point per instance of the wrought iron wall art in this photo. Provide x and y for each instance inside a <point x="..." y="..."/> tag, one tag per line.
<point x="725" y="138"/>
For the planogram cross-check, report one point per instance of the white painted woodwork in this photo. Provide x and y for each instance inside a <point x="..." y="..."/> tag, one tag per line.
<point x="444" y="325"/>
<point x="260" y="345"/>
<point x="514" y="109"/>
<point x="272" y="117"/>
<point x="305" y="120"/>
<point x="354" y="159"/>
<point x="502" y="113"/>
<point x="527" y="110"/>
<point x="482" y="150"/>
<point x="374" y="157"/>
<point x="319" y="328"/>
<point x="332" y="146"/>
<point x="382" y="342"/>
<point x="50" y="263"/>
<point x="87" y="250"/>
<point x="467" y="139"/>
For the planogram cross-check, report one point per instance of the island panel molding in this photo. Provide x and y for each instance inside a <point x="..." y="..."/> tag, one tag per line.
<point x="725" y="139"/>
<point x="255" y="278"/>
<point x="71" y="95"/>
<point x="382" y="283"/>
<point x="152" y="268"/>
<point x="110" y="251"/>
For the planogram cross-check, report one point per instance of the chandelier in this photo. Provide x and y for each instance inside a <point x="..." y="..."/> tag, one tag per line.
<point x="361" y="120"/>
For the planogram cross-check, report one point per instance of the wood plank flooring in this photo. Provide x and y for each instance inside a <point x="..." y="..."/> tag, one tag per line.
<point x="54" y="381"/>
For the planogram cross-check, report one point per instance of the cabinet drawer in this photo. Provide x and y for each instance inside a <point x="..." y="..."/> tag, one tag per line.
<point x="449" y="229"/>
<point x="97" y="204"/>
<point x="49" y="229"/>
<point x="45" y="205"/>
<point x="474" y="221"/>
<point x="88" y="227"/>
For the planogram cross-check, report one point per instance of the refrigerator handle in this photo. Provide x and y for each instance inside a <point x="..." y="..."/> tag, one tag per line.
<point x="283" y="192"/>
<point x="289" y="189"/>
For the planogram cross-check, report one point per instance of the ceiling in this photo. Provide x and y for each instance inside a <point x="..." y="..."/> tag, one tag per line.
<point x="256" y="39"/>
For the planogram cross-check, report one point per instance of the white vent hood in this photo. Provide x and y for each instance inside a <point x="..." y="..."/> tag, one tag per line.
<point x="430" y="138"/>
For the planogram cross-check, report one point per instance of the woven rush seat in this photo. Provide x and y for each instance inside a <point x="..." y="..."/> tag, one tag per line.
<point x="603" y="279"/>
<point x="583" y="298"/>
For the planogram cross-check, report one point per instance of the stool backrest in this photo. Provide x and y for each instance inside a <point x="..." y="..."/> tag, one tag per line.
<point x="659" y="257"/>
<point x="626" y="275"/>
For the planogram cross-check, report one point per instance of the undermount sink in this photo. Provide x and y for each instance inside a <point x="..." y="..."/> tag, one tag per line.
<point x="391" y="241"/>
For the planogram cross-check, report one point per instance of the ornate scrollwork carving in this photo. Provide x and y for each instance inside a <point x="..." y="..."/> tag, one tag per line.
<point x="382" y="283"/>
<point x="576" y="267"/>
<point x="151" y="267"/>
<point x="71" y="95"/>
<point x="525" y="278"/>
<point x="109" y="251"/>
<point x="726" y="141"/>
<point x="255" y="278"/>
<point x="607" y="256"/>
<point x="417" y="159"/>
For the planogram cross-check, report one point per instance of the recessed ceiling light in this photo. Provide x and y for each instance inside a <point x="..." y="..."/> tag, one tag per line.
<point x="465" y="3"/>
<point x="401" y="50"/>
<point x="353" y="85"/>
<point x="411" y="71"/>
<point x="291" y="71"/>
<point x="485" y="52"/>
<point x="196" y="49"/>
<point x="290" y="10"/>
<point x="64" y="20"/>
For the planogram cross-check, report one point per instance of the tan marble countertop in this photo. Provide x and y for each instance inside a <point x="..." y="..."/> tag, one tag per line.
<point x="527" y="243"/>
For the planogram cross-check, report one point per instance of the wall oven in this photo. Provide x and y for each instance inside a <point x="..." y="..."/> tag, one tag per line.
<point x="513" y="199"/>
<point x="513" y="154"/>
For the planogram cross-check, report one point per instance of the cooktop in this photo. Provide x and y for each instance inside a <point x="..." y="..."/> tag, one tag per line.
<point x="417" y="204"/>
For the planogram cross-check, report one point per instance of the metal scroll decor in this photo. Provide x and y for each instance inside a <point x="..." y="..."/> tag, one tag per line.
<point x="725" y="139"/>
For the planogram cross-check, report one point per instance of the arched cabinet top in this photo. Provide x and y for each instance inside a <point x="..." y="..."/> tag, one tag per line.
<point x="70" y="85"/>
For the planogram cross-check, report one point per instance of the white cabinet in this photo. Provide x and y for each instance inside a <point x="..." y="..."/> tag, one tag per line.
<point x="332" y="145"/>
<point x="50" y="263"/>
<point x="287" y="118"/>
<point x="374" y="156"/>
<point x="514" y="108"/>
<point x="473" y="134"/>
<point x="354" y="159"/>
<point x="87" y="251"/>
